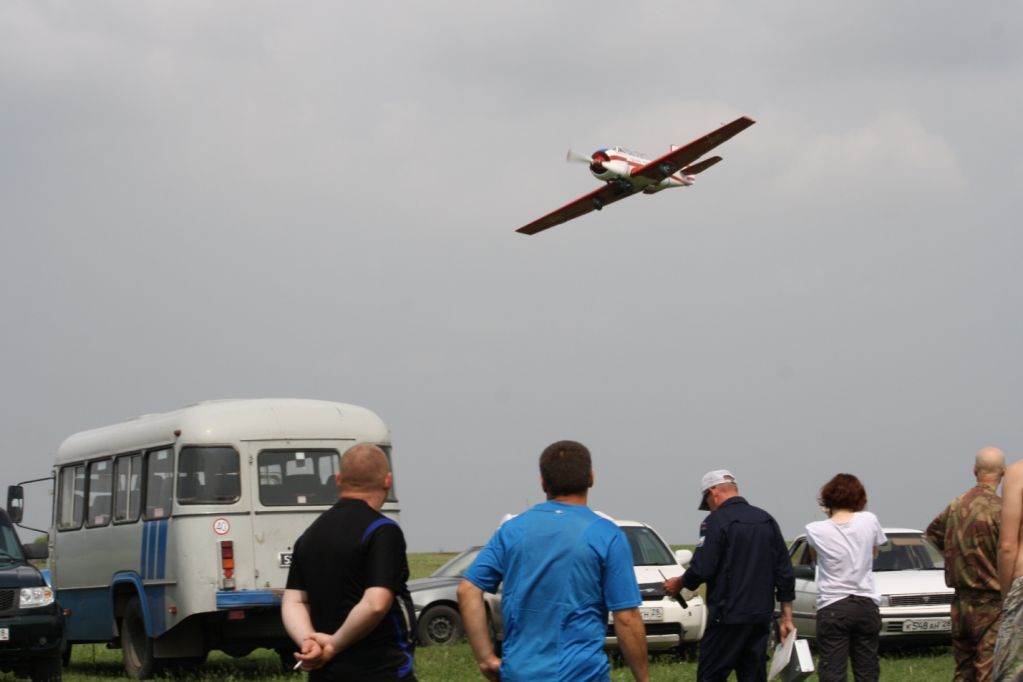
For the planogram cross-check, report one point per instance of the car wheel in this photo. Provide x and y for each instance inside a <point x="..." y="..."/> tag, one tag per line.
<point x="137" y="647"/>
<point x="440" y="624"/>
<point x="65" y="653"/>
<point x="46" y="669"/>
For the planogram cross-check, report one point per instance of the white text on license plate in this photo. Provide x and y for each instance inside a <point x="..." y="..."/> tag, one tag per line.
<point x="926" y="624"/>
<point x="284" y="559"/>
<point x="5" y="634"/>
<point x="652" y="614"/>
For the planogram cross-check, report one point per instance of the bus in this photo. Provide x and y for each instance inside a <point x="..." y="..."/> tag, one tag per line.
<point x="172" y="533"/>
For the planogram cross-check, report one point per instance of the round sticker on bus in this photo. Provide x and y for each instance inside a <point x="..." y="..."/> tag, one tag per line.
<point x="221" y="526"/>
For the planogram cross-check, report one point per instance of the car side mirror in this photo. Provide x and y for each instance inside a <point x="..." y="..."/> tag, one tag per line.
<point x="683" y="557"/>
<point x="15" y="503"/>
<point x="37" y="551"/>
<point x="804" y="571"/>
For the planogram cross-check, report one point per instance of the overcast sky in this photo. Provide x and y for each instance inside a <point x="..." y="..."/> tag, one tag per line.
<point x="316" y="199"/>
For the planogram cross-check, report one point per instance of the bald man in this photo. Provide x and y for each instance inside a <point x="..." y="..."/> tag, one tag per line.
<point x="967" y="533"/>
<point x="347" y="605"/>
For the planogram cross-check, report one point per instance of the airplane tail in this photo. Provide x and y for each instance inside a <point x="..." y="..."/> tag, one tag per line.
<point x="701" y="166"/>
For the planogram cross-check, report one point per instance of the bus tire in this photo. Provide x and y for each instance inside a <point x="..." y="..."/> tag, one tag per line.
<point x="46" y="669"/>
<point x="136" y="646"/>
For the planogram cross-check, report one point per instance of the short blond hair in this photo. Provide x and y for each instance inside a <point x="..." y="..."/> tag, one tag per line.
<point x="364" y="467"/>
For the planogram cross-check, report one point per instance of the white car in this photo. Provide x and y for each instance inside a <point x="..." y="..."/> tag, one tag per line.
<point x="909" y="572"/>
<point x="668" y="624"/>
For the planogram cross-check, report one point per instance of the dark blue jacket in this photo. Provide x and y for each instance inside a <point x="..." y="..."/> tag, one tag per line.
<point x="743" y="559"/>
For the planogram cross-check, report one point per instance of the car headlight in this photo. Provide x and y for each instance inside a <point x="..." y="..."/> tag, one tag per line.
<point x="886" y="600"/>
<point x="32" y="597"/>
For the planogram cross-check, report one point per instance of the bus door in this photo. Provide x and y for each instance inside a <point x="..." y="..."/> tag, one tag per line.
<point x="293" y="484"/>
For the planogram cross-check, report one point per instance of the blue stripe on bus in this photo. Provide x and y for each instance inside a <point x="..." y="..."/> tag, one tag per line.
<point x="161" y="549"/>
<point x="376" y="524"/>
<point x="231" y="599"/>
<point x="142" y="552"/>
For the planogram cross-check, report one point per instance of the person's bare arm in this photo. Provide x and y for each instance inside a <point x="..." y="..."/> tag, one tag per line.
<point x="474" y="620"/>
<point x="632" y="642"/>
<point x="1008" y="538"/>
<point x="299" y="626"/>
<point x="785" y="625"/>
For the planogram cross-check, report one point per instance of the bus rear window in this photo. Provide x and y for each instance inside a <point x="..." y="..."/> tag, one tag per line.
<point x="297" y="477"/>
<point x="208" y="475"/>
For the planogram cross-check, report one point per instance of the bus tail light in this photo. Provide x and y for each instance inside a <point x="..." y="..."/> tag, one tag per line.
<point x="227" y="563"/>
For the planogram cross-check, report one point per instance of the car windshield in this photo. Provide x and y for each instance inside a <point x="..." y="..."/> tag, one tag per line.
<point x="10" y="548"/>
<point x="647" y="548"/>
<point x="456" y="567"/>
<point x="906" y="552"/>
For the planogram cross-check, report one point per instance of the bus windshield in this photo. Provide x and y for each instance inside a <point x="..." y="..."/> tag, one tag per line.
<point x="297" y="477"/>
<point x="208" y="475"/>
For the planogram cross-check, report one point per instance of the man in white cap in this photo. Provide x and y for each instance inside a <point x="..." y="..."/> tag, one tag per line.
<point x="742" y="557"/>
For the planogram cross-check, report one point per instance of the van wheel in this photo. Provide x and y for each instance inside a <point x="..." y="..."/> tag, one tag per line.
<point x="46" y="669"/>
<point x="65" y="653"/>
<point x="440" y="624"/>
<point x="136" y="646"/>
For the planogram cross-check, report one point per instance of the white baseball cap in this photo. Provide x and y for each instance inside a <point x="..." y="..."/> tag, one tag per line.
<point x="711" y="479"/>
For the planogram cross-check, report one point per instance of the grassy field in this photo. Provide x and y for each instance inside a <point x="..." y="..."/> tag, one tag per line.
<point x="93" y="663"/>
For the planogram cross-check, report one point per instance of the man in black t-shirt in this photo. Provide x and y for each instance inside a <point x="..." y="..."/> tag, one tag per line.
<point x="347" y="605"/>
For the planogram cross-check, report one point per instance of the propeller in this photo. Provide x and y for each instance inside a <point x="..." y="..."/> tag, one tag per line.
<point x="595" y="162"/>
<point x="576" y="157"/>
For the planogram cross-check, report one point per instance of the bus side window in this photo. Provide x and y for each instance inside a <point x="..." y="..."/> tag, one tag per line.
<point x="100" y="484"/>
<point x="128" y="488"/>
<point x="72" y="496"/>
<point x="159" y="483"/>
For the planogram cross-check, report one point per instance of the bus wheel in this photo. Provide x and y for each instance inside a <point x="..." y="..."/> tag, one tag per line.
<point x="137" y="648"/>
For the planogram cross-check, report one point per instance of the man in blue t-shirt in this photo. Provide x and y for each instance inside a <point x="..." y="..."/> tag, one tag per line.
<point x="563" y="567"/>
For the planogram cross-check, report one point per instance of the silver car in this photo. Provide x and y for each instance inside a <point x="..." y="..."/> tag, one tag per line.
<point x="436" y="601"/>
<point x="909" y="572"/>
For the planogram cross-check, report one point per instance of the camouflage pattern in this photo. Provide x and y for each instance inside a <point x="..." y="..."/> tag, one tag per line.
<point x="967" y="534"/>
<point x="1008" y="660"/>
<point x="976" y="617"/>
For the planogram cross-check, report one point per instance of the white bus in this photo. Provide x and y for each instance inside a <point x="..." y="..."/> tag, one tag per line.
<point x="173" y="532"/>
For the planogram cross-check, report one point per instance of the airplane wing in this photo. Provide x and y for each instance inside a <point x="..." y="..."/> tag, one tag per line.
<point x="677" y="159"/>
<point x="594" y="201"/>
<point x="700" y="167"/>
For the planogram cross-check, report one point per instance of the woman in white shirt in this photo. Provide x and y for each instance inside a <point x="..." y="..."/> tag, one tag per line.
<point x="848" y="619"/>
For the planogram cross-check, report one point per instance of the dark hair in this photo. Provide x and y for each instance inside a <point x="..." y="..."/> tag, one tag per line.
<point x="844" y="491"/>
<point x="565" y="468"/>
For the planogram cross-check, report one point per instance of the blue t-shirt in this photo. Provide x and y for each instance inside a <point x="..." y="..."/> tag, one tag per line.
<point x="564" y="567"/>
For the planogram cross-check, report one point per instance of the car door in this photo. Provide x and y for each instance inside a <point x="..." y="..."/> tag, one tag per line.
<point x="804" y="608"/>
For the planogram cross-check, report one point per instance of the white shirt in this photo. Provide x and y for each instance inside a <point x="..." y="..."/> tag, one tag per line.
<point x="845" y="557"/>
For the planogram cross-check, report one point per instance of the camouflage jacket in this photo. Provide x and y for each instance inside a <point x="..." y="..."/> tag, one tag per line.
<point x="967" y="533"/>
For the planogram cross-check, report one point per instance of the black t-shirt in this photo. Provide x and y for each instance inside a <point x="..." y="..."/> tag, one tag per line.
<point x="349" y="548"/>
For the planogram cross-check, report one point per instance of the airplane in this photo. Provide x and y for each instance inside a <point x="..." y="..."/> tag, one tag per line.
<point x="626" y="173"/>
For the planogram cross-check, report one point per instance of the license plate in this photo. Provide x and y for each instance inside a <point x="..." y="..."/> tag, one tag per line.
<point x="284" y="559"/>
<point x="5" y="634"/>
<point x="652" y="614"/>
<point x="927" y="625"/>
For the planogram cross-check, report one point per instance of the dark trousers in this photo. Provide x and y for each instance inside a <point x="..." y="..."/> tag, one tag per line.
<point x="741" y="647"/>
<point x="849" y="629"/>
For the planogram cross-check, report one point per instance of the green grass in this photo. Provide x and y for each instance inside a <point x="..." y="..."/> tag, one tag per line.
<point x="92" y="663"/>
